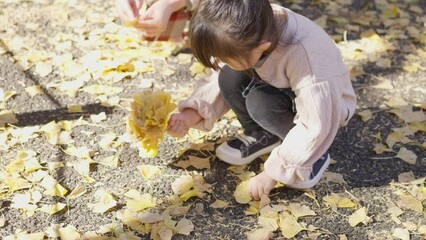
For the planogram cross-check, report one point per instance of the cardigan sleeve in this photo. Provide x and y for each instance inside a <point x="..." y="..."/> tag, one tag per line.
<point x="316" y="125"/>
<point x="207" y="100"/>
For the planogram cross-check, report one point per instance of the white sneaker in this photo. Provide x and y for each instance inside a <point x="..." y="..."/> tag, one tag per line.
<point x="243" y="149"/>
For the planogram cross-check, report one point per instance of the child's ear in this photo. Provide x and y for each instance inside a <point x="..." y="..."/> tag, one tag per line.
<point x="263" y="46"/>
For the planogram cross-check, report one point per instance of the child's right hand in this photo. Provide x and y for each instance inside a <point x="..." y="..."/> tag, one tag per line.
<point x="180" y="123"/>
<point x="128" y="10"/>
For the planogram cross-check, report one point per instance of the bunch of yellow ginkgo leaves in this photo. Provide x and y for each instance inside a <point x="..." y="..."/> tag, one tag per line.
<point x="149" y="117"/>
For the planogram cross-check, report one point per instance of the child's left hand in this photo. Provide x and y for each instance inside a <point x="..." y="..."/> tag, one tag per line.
<point x="260" y="185"/>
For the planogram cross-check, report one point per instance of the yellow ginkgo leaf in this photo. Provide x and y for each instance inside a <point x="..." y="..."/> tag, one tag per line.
<point x="15" y="183"/>
<point x="149" y="118"/>
<point x="110" y="161"/>
<point x="191" y="193"/>
<point x="149" y="171"/>
<point x="242" y="194"/>
<point x="52" y="131"/>
<point x="137" y="202"/>
<point x="365" y="115"/>
<point x="97" y="118"/>
<point x="219" y="204"/>
<point x="34" y="90"/>
<point x="298" y="210"/>
<point x="183" y="184"/>
<point x="69" y="233"/>
<point x="335" y="201"/>
<point x="260" y="234"/>
<point x="43" y="69"/>
<point x="359" y="216"/>
<point x="103" y="201"/>
<point x="53" y="188"/>
<point x="289" y="225"/>
<point x="52" y="208"/>
<point x="268" y="223"/>
<point x="7" y="116"/>
<point x="77" y="192"/>
<point x="401" y="233"/>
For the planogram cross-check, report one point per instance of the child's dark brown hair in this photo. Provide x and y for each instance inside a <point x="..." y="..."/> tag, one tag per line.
<point x="231" y="29"/>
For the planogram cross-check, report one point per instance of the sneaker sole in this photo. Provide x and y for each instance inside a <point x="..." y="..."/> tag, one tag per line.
<point x="223" y="156"/>
<point x="311" y="183"/>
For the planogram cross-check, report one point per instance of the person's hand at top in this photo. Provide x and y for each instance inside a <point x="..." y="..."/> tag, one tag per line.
<point x="154" y="20"/>
<point x="128" y="10"/>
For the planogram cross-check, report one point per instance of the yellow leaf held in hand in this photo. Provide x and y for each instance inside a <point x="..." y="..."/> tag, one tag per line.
<point x="242" y="194"/>
<point x="149" y="117"/>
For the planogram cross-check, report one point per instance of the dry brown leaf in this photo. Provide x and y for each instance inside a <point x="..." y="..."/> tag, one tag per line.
<point x="407" y="156"/>
<point x="219" y="204"/>
<point x="410" y="202"/>
<point x="199" y="163"/>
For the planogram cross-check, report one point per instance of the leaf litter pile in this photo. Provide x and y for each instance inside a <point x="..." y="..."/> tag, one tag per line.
<point x="84" y="105"/>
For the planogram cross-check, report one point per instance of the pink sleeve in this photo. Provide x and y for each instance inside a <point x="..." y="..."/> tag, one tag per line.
<point x="207" y="100"/>
<point x="317" y="122"/>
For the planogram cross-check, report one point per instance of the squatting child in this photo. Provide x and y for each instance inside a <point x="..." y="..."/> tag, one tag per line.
<point x="284" y="78"/>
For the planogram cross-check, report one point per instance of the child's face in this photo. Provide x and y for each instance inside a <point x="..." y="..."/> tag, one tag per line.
<point x="254" y="58"/>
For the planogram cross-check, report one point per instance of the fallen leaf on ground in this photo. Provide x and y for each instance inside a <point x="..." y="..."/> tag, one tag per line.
<point x="103" y="201"/>
<point x="289" y="225"/>
<point x="359" y="216"/>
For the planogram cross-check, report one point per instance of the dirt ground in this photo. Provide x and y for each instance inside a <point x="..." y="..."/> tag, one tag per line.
<point x="51" y="31"/>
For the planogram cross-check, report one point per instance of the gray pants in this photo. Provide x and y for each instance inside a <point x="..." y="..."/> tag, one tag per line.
<point x="258" y="105"/>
